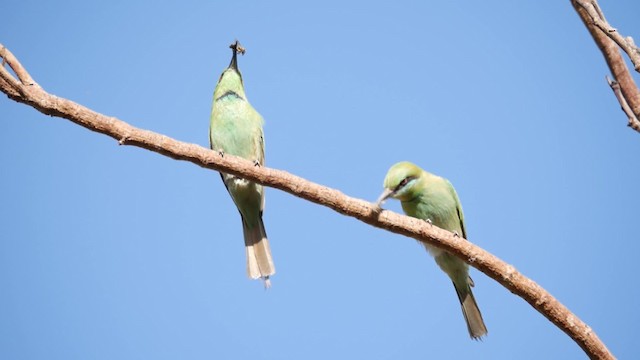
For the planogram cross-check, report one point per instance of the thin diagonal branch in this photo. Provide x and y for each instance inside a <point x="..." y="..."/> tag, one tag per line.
<point x="365" y="211"/>
<point x="604" y="36"/>
<point x="16" y="66"/>
<point x="633" y="120"/>
<point x="597" y="17"/>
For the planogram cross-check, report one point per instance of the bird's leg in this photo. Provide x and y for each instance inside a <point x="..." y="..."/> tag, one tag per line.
<point x="455" y="234"/>
<point x="256" y="162"/>
<point x="428" y="221"/>
<point x="221" y="153"/>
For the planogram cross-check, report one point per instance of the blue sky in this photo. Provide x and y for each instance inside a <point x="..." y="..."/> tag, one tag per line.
<point x="116" y="252"/>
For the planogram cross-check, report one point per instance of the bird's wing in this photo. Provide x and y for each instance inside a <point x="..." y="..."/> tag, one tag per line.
<point x="259" y="150"/>
<point x="261" y="159"/>
<point x="261" y="147"/>
<point x="454" y="194"/>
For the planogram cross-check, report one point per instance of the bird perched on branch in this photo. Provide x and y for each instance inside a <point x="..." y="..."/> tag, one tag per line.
<point x="236" y="129"/>
<point x="433" y="199"/>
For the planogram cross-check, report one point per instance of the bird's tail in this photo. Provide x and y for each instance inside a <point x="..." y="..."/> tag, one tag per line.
<point x="470" y="310"/>
<point x="259" y="260"/>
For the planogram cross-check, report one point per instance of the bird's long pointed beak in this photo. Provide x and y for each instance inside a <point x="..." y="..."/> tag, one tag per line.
<point x="384" y="196"/>
<point x="234" y="61"/>
<point x="237" y="48"/>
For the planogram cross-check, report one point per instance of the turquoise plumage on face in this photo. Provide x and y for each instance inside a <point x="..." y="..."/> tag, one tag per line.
<point x="402" y="179"/>
<point x="230" y="83"/>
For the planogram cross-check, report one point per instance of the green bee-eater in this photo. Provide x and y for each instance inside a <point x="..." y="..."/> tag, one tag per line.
<point x="432" y="198"/>
<point x="236" y="129"/>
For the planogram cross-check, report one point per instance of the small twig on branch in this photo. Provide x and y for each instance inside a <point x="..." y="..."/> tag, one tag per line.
<point x="365" y="211"/>
<point x="598" y="19"/>
<point x="633" y="120"/>
<point x="8" y="58"/>
<point x="602" y="33"/>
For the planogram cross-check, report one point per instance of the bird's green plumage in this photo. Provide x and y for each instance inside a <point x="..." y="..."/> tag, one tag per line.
<point x="236" y="129"/>
<point x="430" y="197"/>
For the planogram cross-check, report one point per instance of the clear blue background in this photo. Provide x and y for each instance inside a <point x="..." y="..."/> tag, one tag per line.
<point x="111" y="252"/>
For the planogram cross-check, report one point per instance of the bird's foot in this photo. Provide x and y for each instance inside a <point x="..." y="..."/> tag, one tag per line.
<point x="428" y="221"/>
<point x="455" y="234"/>
<point x="256" y="163"/>
<point x="221" y="153"/>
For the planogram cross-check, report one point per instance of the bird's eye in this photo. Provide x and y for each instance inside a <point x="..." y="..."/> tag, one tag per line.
<point x="404" y="182"/>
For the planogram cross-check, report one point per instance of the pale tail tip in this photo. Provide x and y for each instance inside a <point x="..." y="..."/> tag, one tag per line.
<point x="480" y="337"/>
<point x="267" y="282"/>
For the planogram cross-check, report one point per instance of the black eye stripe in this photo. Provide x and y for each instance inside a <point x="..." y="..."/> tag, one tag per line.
<point x="404" y="182"/>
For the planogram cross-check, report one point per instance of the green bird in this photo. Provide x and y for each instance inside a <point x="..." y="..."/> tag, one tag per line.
<point x="236" y="129"/>
<point x="433" y="198"/>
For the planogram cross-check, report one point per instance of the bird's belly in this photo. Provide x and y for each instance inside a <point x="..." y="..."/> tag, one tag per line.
<point x="433" y="251"/>
<point x="236" y="183"/>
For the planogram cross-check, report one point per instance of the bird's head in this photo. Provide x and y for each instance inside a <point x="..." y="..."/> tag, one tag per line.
<point x="400" y="182"/>
<point x="231" y="78"/>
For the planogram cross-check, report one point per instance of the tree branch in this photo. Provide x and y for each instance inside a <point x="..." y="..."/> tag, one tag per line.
<point x="597" y="18"/>
<point x="633" y="120"/>
<point x="609" y="41"/>
<point x="25" y="90"/>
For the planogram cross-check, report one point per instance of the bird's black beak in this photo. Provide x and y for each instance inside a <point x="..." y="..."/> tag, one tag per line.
<point x="387" y="193"/>
<point x="236" y="48"/>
